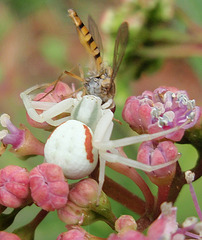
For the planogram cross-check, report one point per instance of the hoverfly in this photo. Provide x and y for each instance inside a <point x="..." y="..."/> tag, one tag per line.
<point x="100" y="81"/>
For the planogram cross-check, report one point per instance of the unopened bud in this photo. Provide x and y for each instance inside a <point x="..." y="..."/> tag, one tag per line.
<point x="82" y="207"/>
<point x="49" y="189"/>
<point x="8" y="236"/>
<point x="125" y="223"/>
<point x="154" y="153"/>
<point x="14" y="191"/>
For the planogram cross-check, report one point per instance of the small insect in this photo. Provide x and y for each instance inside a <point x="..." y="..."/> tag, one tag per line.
<point x="100" y="82"/>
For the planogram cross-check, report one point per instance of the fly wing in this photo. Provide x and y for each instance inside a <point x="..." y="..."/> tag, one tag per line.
<point x="93" y="29"/>
<point x="120" y="48"/>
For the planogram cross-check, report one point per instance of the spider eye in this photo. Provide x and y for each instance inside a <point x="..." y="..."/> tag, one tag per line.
<point x="70" y="147"/>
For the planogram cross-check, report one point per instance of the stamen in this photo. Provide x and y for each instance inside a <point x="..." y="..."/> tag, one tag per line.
<point x="198" y="228"/>
<point x="189" y="222"/>
<point x="4" y="119"/>
<point x="155" y="113"/>
<point x="182" y="98"/>
<point x="166" y="208"/>
<point x="168" y="99"/>
<point x="191" y="104"/>
<point x="3" y="133"/>
<point x="191" y="116"/>
<point x="189" y="176"/>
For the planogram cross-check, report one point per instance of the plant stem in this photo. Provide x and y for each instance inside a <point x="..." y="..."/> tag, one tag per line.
<point x="123" y="196"/>
<point x="163" y="192"/>
<point x="137" y="179"/>
<point x="27" y="231"/>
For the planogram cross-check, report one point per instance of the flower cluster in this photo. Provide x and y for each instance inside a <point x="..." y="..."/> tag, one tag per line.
<point x="80" y="123"/>
<point x="162" y="109"/>
<point x="77" y="204"/>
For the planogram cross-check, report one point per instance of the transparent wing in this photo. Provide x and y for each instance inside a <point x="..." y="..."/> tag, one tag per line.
<point x="120" y="48"/>
<point x="93" y="29"/>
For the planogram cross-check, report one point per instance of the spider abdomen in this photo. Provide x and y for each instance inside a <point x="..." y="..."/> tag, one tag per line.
<point x="70" y="147"/>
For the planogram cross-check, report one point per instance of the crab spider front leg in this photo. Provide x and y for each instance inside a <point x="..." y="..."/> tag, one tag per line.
<point x="50" y="109"/>
<point x="103" y="133"/>
<point x="56" y="109"/>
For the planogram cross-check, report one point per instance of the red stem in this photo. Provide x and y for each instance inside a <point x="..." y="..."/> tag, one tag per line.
<point x="137" y="179"/>
<point x="123" y="196"/>
<point x="163" y="192"/>
<point x="38" y="219"/>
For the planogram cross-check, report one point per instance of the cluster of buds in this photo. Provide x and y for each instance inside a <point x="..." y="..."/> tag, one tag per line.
<point x="164" y="227"/>
<point x="76" y="204"/>
<point x="160" y="110"/>
<point x="45" y="185"/>
<point x="156" y="111"/>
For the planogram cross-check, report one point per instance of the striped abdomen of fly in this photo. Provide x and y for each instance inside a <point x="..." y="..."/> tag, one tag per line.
<point x="86" y="39"/>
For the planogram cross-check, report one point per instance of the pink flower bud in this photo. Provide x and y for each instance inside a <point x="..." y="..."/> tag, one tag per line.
<point x="50" y="94"/>
<point x="161" y="228"/>
<point x="84" y="192"/>
<point x="165" y="225"/>
<point x="73" y="234"/>
<point x="8" y="236"/>
<point x="81" y="197"/>
<point x="14" y="186"/>
<point x="22" y="140"/>
<point x="82" y="207"/>
<point x="128" y="235"/>
<point x="137" y="112"/>
<point x="154" y="153"/>
<point x="71" y="214"/>
<point x="125" y="223"/>
<point x="77" y="233"/>
<point x="49" y="189"/>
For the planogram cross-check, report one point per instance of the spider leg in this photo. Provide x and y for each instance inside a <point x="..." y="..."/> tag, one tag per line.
<point x="101" y="177"/>
<point x="107" y="104"/>
<point x="102" y="133"/>
<point x="137" y="139"/>
<point x="102" y="129"/>
<point x="112" y="157"/>
<point x="54" y="110"/>
<point x="103" y="161"/>
<point x="57" y="122"/>
<point x="42" y="105"/>
<point x="25" y="94"/>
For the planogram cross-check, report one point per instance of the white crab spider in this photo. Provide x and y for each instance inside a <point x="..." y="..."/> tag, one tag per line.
<point x="86" y="132"/>
<point x="75" y="145"/>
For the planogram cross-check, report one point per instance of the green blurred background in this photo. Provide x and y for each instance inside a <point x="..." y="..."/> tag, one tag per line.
<point x="38" y="41"/>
